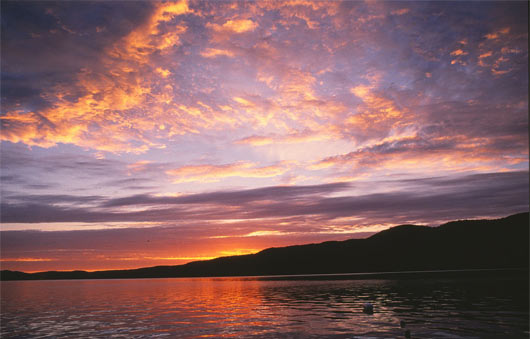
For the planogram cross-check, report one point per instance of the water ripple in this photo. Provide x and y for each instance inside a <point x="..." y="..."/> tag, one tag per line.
<point x="247" y="308"/>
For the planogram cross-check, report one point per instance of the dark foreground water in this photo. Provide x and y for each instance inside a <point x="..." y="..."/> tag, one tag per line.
<point x="249" y="307"/>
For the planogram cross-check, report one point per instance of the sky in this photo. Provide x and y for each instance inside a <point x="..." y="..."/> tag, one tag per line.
<point x="156" y="133"/>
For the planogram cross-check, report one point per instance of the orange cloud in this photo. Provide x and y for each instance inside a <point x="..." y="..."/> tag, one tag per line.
<point x="169" y="258"/>
<point x="254" y="234"/>
<point x="295" y="137"/>
<point x="147" y="38"/>
<point x="491" y="36"/>
<point x="485" y="55"/>
<point x="223" y="32"/>
<point x="497" y="34"/>
<point x="238" y="26"/>
<point x="244" y="102"/>
<point x="256" y="140"/>
<point x="458" y="61"/>
<point x="298" y="85"/>
<point x="256" y="111"/>
<point x="400" y="11"/>
<point x="25" y="259"/>
<point x="405" y="154"/>
<point x="214" y="52"/>
<point x="213" y="173"/>
<point x="301" y="8"/>
<point x="138" y="166"/>
<point x="508" y="50"/>
<point x="497" y="50"/>
<point x="102" y="118"/>
<point x="164" y="73"/>
<point x="376" y="112"/>
<point x="495" y="71"/>
<point x="293" y="98"/>
<point x="458" y="52"/>
<point x="239" y="251"/>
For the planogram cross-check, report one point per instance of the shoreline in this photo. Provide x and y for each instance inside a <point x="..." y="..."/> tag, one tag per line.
<point x="520" y="272"/>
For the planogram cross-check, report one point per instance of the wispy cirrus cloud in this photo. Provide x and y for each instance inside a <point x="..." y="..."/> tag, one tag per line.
<point x="211" y="173"/>
<point x="235" y="197"/>
<point x="483" y="191"/>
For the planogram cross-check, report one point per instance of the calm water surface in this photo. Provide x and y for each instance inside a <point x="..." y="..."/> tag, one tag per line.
<point x="247" y="307"/>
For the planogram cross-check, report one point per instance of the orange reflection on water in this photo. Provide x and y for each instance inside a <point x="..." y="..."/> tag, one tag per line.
<point x="261" y="307"/>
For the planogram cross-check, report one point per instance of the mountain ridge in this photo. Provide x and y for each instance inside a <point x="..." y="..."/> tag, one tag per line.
<point x="462" y="244"/>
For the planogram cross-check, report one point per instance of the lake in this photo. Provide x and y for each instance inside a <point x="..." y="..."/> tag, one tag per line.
<point x="266" y="308"/>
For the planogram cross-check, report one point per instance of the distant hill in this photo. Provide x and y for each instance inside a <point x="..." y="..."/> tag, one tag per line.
<point x="467" y="244"/>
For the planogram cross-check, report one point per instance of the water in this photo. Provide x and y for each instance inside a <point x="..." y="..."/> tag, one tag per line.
<point x="252" y="307"/>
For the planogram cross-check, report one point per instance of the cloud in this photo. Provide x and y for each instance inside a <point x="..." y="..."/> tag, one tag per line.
<point x="293" y="137"/>
<point x="214" y="52"/>
<point x="53" y="199"/>
<point x="377" y="115"/>
<point x="163" y="72"/>
<point x="234" y="197"/>
<point x="424" y="200"/>
<point x="223" y="222"/>
<point x="497" y="34"/>
<point x="19" y="160"/>
<point x="269" y="216"/>
<point x="212" y="173"/>
<point x="113" y="85"/>
<point x="458" y="52"/>
<point x="426" y="153"/>
<point x="402" y="11"/>
<point x="499" y="51"/>
<point x="235" y="26"/>
<point x="256" y="140"/>
<point x="372" y="95"/>
<point x="144" y="89"/>
<point x="227" y="31"/>
<point x="494" y="191"/>
<point x="25" y="173"/>
<point x="44" y="44"/>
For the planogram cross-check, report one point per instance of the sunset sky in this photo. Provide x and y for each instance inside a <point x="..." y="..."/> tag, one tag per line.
<point x="148" y="133"/>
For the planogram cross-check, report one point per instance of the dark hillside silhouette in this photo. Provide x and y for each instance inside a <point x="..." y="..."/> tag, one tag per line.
<point x="468" y="244"/>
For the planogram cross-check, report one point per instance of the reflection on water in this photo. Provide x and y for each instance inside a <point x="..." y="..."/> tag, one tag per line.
<point x="236" y="307"/>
